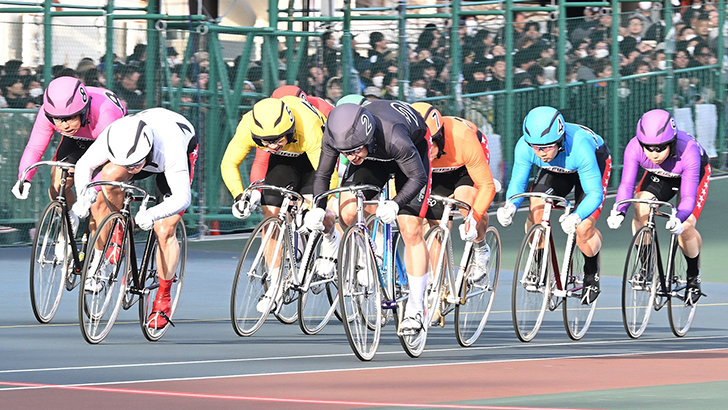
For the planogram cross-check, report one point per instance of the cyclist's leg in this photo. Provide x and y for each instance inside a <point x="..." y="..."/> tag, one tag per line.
<point x="368" y="172"/>
<point x="690" y="241"/>
<point x="168" y="253"/>
<point x="69" y="150"/>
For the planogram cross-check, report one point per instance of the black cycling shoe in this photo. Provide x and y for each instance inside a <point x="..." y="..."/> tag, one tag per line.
<point x="591" y="291"/>
<point x="692" y="290"/>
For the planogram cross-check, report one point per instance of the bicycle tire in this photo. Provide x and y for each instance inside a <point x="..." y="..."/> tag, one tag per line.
<point x="360" y="298"/>
<point x="531" y="291"/>
<point x="471" y="317"/>
<point x="150" y="279"/>
<point x="577" y="317"/>
<point x="288" y="312"/>
<point x="318" y="303"/>
<point x="98" y="310"/>
<point x="253" y="278"/>
<point x="47" y="274"/>
<point x="639" y="282"/>
<point x="680" y="313"/>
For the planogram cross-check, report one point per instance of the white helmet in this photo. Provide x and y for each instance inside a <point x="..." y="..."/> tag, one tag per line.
<point x="129" y="140"/>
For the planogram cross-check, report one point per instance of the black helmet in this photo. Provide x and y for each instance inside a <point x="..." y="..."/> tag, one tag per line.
<point x="350" y="126"/>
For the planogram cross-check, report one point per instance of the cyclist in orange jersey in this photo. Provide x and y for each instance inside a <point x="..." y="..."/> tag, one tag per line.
<point x="459" y="155"/>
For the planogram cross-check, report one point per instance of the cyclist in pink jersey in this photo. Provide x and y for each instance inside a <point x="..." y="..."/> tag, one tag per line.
<point x="79" y="114"/>
<point x="674" y="163"/>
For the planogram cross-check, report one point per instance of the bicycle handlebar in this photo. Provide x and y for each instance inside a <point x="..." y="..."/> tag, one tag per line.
<point x="652" y="203"/>
<point x="450" y="201"/>
<point x="283" y="191"/>
<point x="554" y="199"/>
<point x="350" y="188"/>
<point x="59" y="164"/>
<point x="125" y="187"/>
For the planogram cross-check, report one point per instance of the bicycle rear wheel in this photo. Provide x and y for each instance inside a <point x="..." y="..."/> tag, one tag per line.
<point x="639" y="282"/>
<point x="258" y="269"/>
<point x="317" y="305"/>
<point x="680" y="313"/>
<point x="360" y="298"/>
<point x="150" y="279"/>
<point x="479" y="292"/>
<point x="531" y="284"/>
<point x="104" y="280"/>
<point x="47" y="272"/>
<point x="577" y="317"/>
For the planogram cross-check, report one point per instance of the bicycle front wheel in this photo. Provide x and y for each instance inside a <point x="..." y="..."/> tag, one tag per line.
<point x="257" y="276"/>
<point x="360" y="297"/>
<point x="150" y="278"/>
<point x="577" y="317"/>
<point x="317" y="305"/>
<point x="478" y="290"/>
<point x="287" y="312"/>
<point x="531" y="283"/>
<point x="47" y="263"/>
<point x="680" y="313"/>
<point x="104" y="279"/>
<point x="639" y="282"/>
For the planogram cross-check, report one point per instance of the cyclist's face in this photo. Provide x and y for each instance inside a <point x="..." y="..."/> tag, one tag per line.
<point x="68" y="126"/>
<point x="358" y="156"/>
<point x="657" y="158"/>
<point x="548" y="153"/>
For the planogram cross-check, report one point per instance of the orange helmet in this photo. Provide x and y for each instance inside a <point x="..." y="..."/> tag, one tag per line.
<point x="293" y="90"/>
<point x="434" y="122"/>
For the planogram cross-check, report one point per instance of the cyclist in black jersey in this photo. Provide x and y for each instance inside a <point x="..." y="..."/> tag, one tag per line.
<point x="382" y="139"/>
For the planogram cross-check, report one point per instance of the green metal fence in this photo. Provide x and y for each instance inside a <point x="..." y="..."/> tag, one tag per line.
<point x="207" y="72"/>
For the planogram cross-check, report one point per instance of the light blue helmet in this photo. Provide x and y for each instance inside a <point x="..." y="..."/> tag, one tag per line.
<point x="357" y="99"/>
<point x="543" y="126"/>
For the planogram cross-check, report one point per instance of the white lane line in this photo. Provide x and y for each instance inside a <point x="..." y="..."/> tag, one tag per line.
<point x="443" y="350"/>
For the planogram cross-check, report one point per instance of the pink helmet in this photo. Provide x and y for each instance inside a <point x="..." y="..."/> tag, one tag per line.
<point x="66" y="97"/>
<point x="656" y="127"/>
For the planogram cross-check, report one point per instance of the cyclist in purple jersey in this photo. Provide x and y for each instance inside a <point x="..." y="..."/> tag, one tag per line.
<point x="674" y="163"/>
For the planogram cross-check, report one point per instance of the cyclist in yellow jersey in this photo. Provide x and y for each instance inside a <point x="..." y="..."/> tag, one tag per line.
<point x="290" y="129"/>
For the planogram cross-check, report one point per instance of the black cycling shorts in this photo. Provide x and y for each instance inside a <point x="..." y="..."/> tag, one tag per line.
<point x="295" y="173"/>
<point x="445" y="184"/>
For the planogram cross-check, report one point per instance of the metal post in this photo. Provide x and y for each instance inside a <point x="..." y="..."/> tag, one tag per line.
<point x="47" y="43"/>
<point x="109" y="56"/>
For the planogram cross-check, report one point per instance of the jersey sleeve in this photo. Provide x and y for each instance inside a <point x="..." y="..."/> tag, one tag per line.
<point x="236" y="151"/>
<point x="178" y="179"/>
<point x="40" y="138"/>
<point x="591" y="181"/>
<point x="629" y="174"/>
<point x="260" y="165"/>
<point x="324" y="171"/>
<point x="95" y="156"/>
<point x="410" y="163"/>
<point x="312" y="148"/>
<point x="522" y="162"/>
<point x="689" y="181"/>
<point x="477" y="165"/>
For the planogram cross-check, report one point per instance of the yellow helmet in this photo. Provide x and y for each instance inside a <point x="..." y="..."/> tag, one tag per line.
<point x="434" y="122"/>
<point x="271" y="120"/>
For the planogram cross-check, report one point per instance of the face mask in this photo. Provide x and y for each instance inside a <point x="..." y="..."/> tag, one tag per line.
<point x="471" y="27"/>
<point x="690" y="37"/>
<point x="601" y="53"/>
<point x="419" y="92"/>
<point x="582" y="53"/>
<point x="394" y="90"/>
<point x="690" y="49"/>
<point x="378" y="80"/>
<point x="36" y="92"/>
<point x="645" y="5"/>
<point x="662" y="64"/>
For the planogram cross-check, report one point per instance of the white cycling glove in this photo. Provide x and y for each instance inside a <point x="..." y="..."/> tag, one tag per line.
<point x="314" y="219"/>
<point x="569" y="223"/>
<point x="21" y="189"/>
<point x="674" y="225"/>
<point x="469" y="229"/>
<point x="84" y="200"/>
<point x="615" y="219"/>
<point x="505" y="214"/>
<point x="245" y="203"/>
<point x="387" y="211"/>
<point x="497" y="184"/>
<point x="144" y="220"/>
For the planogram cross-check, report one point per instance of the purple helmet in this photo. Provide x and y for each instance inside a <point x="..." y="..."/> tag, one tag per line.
<point x="66" y="97"/>
<point x="656" y="127"/>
